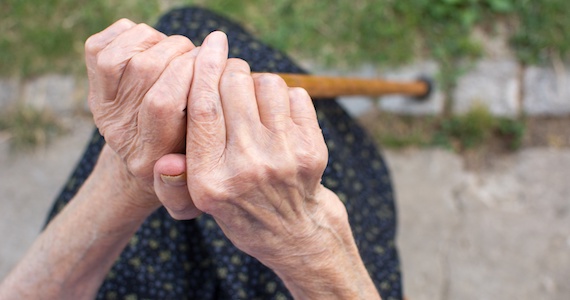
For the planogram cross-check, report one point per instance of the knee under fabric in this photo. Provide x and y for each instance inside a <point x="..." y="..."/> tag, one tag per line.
<point x="169" y="259"/>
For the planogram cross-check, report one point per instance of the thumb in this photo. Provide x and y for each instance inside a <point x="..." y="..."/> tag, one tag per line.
<point x="171" y="187"/>
<point x="206" y="132"/>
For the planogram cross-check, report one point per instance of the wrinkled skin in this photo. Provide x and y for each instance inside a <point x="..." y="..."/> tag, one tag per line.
<point x="254" y="151"/>
<point x="139" y="81"/>
<point x="255" y="156"/>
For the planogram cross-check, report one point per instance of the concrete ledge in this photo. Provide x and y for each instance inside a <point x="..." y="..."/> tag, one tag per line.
<point x="493" y="83"/>
<point x="500" y="84"/>
<point x="9" y="92"/>
<point x="410" y="106"/>
<point x="546" y="91"/>
<point x="55" y="92"/>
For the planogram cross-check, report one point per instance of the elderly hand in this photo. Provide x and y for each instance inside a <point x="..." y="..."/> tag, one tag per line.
<point x="254" y="152"/>
<point x="139" y="83"/>
<point x="254" y="159"/>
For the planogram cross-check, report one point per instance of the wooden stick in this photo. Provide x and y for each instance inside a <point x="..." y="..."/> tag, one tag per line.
<point x="330" y="87"/>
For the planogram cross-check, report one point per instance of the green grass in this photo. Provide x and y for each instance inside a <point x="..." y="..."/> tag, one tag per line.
<point x="543" y="30"/>
<point x="43" y="36"/>
<point x="472" y="130"/>
<point x="47" y="36"/>
<point x="40" y="36"/>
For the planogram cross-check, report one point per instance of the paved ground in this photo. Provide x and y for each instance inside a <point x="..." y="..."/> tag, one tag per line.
<point x="28" y="185"/>
<point x="498" y="233"/>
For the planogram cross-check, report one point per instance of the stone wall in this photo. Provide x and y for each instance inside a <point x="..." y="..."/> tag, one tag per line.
<point x="62" y="94"/>
<point x="503" y="85"/>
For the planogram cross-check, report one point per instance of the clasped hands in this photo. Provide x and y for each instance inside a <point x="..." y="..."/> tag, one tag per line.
<point x="191" y="130"/>
<point x="199" y="133"/>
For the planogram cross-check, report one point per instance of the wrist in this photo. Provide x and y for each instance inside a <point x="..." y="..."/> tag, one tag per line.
<point x="71" y="257"/>
<point x="129" y="197"/>
<point x="336" y="273"/>
<point x="333" y="269"/>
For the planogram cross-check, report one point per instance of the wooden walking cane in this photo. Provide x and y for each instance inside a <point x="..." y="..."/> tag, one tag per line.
<point x="330" y="87"/>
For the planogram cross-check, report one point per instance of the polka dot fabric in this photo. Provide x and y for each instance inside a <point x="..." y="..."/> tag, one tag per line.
<point x="169" y="259"/>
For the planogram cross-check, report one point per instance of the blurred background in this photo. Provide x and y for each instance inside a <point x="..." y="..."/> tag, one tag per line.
<point x="480" y="167"/>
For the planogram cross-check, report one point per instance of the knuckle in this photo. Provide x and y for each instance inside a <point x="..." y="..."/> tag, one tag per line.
<point x="124" y="23"/>
<point x="238" y="64"/>
<point x="313" y="159"/>
<point x="285" y="173"/>
<point x="208" y="196"/>
<point x="298" y="93"/>
<point x="338" y="213"/>
<point x="158" y="104"/>
<point x="107" y="63"/>
<point x="143" y="63"/>
<point x="178" y="39"/>
<point x="268" y="80"/>
<point x="321" y="162"/>
<point x="181" y="41"/>
<point x="320" y="159"/>
<point x="121" y="25"/>
<point x="148" y="34"/>
<point x="235" y="78"/>
<point x="237" y="75"/>
<point x="205" y="107"/>
<point x="280" y="169"/>
<point x="144" y="28"/>
<point x="93" y="45"/>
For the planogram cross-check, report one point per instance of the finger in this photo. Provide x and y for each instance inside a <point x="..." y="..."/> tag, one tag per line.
<point x="144" y="68"/>
<point x="171" y="188"/>
<point x="273" y="101"/>
<point x="99" y="41"/>
<point x="206" y="133"/>
<point x="302" y="109"/>
<point x="238" y="101"/>
<point x="112" y="60"/>
<point x="162" y="116"/>
<point x="310" y="146"/>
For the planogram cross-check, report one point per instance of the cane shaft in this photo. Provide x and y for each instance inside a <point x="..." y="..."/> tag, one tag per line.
<point x="329" y="87"/>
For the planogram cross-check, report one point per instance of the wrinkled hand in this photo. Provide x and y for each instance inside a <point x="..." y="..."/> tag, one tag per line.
<point x="139" y="81"/>
<point x="255" y="156"/>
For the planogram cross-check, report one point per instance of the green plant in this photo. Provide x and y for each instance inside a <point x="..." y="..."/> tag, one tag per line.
<point x="471" y="129"/>
<point x="511" y="132"/>
<point x="543" y="30"/>
<point x="394" y="141"/>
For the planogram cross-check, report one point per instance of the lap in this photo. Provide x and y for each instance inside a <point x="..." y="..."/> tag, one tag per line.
<point x="193" y="259"/>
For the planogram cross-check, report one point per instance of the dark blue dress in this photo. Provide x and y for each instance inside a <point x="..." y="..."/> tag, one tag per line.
<point x="169" y="259"/>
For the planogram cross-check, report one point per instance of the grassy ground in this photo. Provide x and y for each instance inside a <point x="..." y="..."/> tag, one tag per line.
<point x="43" y="36"/>
<point x="40" y="36"/>
<point x="461" y="133"/>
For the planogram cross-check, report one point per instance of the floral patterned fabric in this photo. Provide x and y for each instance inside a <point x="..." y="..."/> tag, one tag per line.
<point x="170" y="259"/>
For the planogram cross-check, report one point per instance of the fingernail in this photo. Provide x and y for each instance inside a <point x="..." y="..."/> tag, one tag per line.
<point x="174" y="180"/>
<point x="216" y="39"/>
